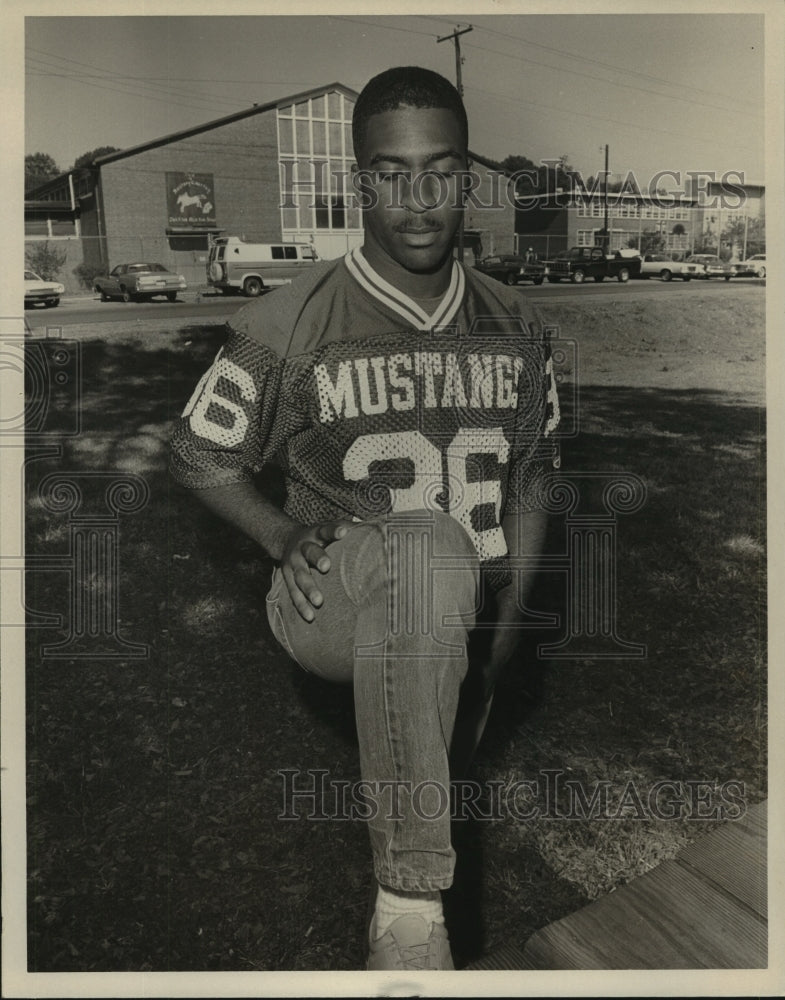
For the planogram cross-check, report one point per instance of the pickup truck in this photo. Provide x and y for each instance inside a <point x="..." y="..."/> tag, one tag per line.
<point x="511" y="269"/>
<point x="579" y="263"/>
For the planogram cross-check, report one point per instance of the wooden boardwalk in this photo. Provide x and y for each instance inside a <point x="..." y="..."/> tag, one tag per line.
<point x="706" y="909"/>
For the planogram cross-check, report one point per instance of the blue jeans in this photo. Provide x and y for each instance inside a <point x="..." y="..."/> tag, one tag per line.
<point x="400" y="599"/>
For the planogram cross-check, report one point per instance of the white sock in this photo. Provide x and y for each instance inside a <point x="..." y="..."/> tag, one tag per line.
<point x="392" y="903"/>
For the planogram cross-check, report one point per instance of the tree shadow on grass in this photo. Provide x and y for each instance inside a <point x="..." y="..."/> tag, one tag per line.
<point x="157" y="782"/>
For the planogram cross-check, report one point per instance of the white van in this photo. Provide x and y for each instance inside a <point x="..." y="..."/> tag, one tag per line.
<point x="236" y="266"/>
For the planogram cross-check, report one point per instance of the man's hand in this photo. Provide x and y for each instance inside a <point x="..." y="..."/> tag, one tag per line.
<point x="304" y="552"/>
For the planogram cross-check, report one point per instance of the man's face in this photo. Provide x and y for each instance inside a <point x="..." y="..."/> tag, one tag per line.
<point x="417" y="156"/>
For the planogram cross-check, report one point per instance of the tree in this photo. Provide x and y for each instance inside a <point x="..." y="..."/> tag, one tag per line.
<point x="705" y="242"/>
<point x="39" y="168"/>
<point x="86" y="159"/>
<point x="734" y="233"/>
<point x="542" y="178"/>
<point x="653" y="241"/>
<point x="46" y="261"/>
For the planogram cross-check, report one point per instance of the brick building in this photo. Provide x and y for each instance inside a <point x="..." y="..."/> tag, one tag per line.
<point x="560" y="221"/>
<point x="277" y="172"/>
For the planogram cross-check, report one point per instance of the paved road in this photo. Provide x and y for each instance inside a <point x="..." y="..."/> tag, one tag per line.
<point x="85" y="310"/>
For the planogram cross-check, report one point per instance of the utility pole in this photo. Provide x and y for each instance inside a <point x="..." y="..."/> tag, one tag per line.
<point x="607" y="237"/>
<point x="455" y="36"/>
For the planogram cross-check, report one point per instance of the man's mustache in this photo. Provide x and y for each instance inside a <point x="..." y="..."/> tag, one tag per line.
<point x="422" y="224"/>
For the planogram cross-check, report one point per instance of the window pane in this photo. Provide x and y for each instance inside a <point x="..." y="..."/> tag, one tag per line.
<point x="337" y="177"/>
<point x="289" y="218"/>
<point x="319" y="139"/>
<point x="334" y="104"/>
<point x="285" y="136"/>
<point x="303" y="139"/>
<point x="335" y="140"/>
<point x="339" y="215"/>
<point x="321" y="175"/>
<point x="301" y="109"/>
<point x="306" y="211"/>
<point x="353" y="218"/>
<point x="348" y="108"/>
<point x="318" y="107"/>
<point x="290" y="253"/>
<point x="287" y="109"/>
<point x="347" y="139"/>
<point x="286" y="184"/>
<point x="322" y="213"/>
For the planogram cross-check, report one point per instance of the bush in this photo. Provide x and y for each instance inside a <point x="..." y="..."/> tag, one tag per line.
<point x="87" y="273"/>
<point x="44" y="260"/>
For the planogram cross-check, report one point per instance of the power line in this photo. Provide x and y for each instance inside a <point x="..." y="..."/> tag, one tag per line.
<point x="573" y="55"/>
<point x="136" y="89"/>
<point x="625" y="86"/>
<point x="145" y="97"/>
<point x="387" y="27"/>
<point x="597" y="62"/>
<point x="614" y="121"/>
<point x="174" y="79"/>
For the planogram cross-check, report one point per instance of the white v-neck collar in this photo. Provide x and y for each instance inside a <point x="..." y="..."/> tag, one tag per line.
<point x="400" y="302"/>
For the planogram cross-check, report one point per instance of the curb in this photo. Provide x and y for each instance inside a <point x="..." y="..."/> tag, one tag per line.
<point x="194" y="293"/>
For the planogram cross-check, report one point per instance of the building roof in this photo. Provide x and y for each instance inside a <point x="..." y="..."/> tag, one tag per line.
<point x="47" y="206"/>
<point x="255" y="109"/>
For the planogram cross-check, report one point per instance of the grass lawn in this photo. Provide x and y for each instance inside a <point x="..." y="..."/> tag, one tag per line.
<point x="154" y="788"/>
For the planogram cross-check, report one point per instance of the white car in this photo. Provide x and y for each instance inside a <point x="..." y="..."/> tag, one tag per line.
<point x="38" y="290"/>
<point x="753" y="266"/>
<point x="661" y="265"/>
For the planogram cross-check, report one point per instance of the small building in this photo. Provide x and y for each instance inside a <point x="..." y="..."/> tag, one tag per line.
<point x="273" y="172"/>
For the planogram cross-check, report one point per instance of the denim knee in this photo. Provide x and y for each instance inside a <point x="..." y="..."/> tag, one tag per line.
<point x="454" y="568"/>
<point x="425" y="554"/>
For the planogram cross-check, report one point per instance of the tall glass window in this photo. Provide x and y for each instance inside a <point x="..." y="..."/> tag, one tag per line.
<point x="316" y="156"/>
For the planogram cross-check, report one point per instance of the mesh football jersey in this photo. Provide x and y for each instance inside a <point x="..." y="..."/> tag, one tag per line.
<point x="370" y="404"/>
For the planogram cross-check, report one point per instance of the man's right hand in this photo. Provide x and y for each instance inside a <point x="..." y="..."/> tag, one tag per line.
<point x="303" y="553"/>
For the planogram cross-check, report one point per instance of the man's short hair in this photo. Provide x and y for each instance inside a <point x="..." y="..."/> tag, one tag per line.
<point x="406" y="86"/>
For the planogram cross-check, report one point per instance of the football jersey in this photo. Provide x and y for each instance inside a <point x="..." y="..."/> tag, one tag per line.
<point x="372" y="402"/>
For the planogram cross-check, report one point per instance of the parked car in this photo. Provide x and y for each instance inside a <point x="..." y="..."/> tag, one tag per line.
<point x="37" y="289"/>
<point x="709" y="265"/>
<point x="579" y="263"/>
<point x="139" y="281"/>
<point x="755" y="265"/>
<point x="662" y="265"/>
<point x="511" y="269"/>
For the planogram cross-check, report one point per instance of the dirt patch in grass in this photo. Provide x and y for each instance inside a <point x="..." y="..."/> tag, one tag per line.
<point x="706" y="342"/>
<point x="155" y="784"/>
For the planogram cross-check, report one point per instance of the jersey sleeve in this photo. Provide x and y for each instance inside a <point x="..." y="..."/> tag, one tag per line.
<point x="535" y="447"/>
<point x="231" y="425"/>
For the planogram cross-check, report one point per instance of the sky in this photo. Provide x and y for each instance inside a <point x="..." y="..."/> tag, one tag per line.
<point x="671" y="91"/>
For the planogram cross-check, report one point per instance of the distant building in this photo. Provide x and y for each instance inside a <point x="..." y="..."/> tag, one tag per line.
<point x="275" y="172"/>
<point x="680" y="220"/>
<point x="272" y="172"/>
<point x="562" y="220"/>
<point x="732" y="212"/>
